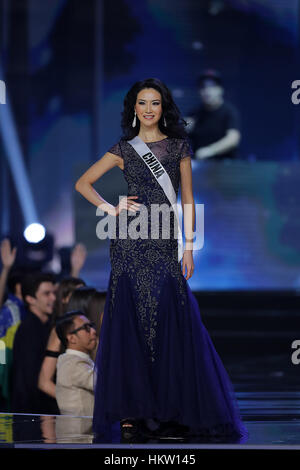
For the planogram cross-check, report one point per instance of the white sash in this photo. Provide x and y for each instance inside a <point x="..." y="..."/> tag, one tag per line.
<point x="162" y="178"/>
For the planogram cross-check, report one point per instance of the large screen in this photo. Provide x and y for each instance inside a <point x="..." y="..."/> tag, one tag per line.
<point x="251" y="226"/>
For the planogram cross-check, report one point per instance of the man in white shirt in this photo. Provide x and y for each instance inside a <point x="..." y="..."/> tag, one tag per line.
<point x="74" y="379"/>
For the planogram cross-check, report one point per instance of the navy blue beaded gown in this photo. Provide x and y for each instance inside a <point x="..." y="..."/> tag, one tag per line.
<point x="155" y="357"/>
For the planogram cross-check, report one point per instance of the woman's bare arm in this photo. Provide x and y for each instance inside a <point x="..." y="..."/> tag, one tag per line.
<point x="187" y="201"/>
<point x="47" y="372"/>
<point x="84" y="185"/>
<point x="188" y="207"/>
<point x="8" y="256"/>
<point x="228" y="142"/>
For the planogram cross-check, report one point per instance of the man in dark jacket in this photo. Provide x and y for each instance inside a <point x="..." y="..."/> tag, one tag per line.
<point x="38" y="291"/>
<point x="214" y="127"/>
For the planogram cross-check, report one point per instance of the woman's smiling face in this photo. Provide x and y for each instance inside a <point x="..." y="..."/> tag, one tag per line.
<point x="148" y="107"/>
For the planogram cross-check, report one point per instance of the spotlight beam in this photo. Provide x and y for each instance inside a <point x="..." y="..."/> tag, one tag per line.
<point x="16" y="163"/>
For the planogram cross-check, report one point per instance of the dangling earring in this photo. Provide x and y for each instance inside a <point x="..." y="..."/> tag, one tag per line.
<point x="134" y="120"/>
<point x="165" y="122"/>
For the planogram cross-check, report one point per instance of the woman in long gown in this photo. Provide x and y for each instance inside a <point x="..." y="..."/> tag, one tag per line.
<point x="155" y="359"/>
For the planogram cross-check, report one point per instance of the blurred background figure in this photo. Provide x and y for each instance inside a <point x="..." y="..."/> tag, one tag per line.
<point x="46" y="381"/>
<point x="64" y="291"/>
<point x="12" y="312"/>
<point x="214" y="127"/>
<point x="72" y="260"/>
<point x="8" y="256"/>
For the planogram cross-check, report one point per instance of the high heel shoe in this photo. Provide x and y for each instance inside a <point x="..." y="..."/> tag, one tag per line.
<point x="129" y="428"/>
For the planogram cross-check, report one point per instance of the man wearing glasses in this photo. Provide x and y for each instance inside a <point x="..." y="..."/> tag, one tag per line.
<point x="74" y="379"/>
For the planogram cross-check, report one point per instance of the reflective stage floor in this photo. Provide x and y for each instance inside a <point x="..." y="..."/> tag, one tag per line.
<point x="267" y="430"/>
<point x="269" y="400"/>
<point x="254" y="336"/>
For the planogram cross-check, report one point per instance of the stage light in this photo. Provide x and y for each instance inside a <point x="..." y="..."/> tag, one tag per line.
<point x="34" y="233"/>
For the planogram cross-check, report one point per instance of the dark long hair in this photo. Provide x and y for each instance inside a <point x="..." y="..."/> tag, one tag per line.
<point x="170" y="112"/>
<point x="91" y="302"/>
<point x="80" y="299"/>
<point x="66" y="287"/>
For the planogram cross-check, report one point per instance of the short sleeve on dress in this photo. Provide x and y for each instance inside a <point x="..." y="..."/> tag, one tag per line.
<point x="186" y="150"/>
<point x="116" y="150"/>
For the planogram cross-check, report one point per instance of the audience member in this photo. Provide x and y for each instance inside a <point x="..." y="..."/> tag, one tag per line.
<point x="8" y="256"/>
<point x="95" y="309"/>
<point x="80" y="299"/>
<point x="72" y="260"/>
<point x="78" y="258"/>
<point x="74" y="379"/>
<point x="30" y="342"/>
<point x="12" y="313"/>
<point x="46" y="381"/>
<point x="64" y="291"/>
<point x="91" y="302"/>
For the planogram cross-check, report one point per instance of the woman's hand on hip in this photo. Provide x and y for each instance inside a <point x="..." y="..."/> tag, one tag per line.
<point x="127" y="204"/>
